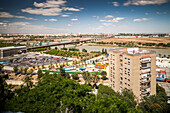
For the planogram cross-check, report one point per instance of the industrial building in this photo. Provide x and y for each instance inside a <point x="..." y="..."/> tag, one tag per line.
<point x="11" y="51"/>
<point x="133" y="69"/>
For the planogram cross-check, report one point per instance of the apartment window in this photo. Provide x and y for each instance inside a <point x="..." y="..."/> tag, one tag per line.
<point x="125" y="58"/>
<point x="120" y="82"/>
<point x="121" y="78"/>
<point x="121" y="55"/>
<point x="121" y="73"/>
<point x="121" y="64"/>
<point x="128" y="79"/>
<point x="125" y="83"/>
<point x="128" y="84"/>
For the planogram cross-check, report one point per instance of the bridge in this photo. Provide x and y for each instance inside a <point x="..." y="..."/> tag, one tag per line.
<point x="67" y="43"/>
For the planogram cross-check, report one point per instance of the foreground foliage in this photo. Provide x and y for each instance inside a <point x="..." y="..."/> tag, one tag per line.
<point x="58" y="93"/>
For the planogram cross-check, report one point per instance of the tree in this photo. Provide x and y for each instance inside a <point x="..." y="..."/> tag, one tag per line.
<point x="105" y="51"/>
<point x="1" y="67"/>
<point x="62" y="71"/>
<point x="31" y="71"/>
<point x="28" y="82"/>
<point x="75" y="76"/>
<point x="104" y="73"/>
<point x="25" y="70"/>
<point x="95" y="79"/>
<point x="129" y="97"/>
<point x="87" y="77"/>
<point x="33" y="67"/>
<point x="67" y="75"/>
<point x="52" y="94"/>
<point x="15" y="69"/>
<point x="21" y="70"/>
<point x="40" y="74"/>
<point x="84" y="50"/>
<point x="156" y="103"/>
<point x="105" y="91"/>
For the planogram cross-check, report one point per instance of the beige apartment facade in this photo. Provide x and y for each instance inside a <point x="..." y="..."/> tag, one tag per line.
<point x="134" y="69"/>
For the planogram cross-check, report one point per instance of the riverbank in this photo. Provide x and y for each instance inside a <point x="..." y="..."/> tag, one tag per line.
<point x="127" y="46"/>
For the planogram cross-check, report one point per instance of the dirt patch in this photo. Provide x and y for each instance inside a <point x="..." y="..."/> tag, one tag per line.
<point x="164" y="40"/>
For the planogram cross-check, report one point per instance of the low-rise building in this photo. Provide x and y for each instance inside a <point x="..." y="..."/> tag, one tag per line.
<point x="10" y="51"/>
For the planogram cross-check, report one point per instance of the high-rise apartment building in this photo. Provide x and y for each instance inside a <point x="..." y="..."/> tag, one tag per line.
<point x="134" y="69"/>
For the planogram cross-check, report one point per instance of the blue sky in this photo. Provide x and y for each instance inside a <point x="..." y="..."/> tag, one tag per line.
<point x="84" y="16"/>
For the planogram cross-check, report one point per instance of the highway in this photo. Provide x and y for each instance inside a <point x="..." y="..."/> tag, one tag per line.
<point x="67" y="43"/>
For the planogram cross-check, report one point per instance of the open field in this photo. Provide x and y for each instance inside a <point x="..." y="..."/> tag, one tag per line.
<point x="137" y="40"/>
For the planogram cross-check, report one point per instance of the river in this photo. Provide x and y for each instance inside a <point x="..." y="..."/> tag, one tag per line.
<point x="99" y="48"/>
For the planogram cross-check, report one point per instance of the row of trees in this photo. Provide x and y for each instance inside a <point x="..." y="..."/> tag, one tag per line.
<point x="10" y="44"/>
<point x="66" y="53"/>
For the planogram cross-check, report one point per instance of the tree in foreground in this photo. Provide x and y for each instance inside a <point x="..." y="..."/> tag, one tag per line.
<point x="156" y="103"/>
<point x="75" y="76"/>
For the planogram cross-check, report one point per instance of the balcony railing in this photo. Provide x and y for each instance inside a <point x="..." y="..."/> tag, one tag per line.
<point x="145" y="81"/>
<point x="145" y="70"/>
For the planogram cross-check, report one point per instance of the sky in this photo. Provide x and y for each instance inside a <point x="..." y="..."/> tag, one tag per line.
<point x="84" y="16"/>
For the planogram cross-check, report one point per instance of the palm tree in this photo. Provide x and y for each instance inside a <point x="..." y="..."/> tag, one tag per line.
<point x="87" y="77"/>
<point x="95" y="79"/>
<point x="28" y="82"/>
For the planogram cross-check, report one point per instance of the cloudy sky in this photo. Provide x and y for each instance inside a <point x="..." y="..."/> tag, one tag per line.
<point x="84" y="16"/>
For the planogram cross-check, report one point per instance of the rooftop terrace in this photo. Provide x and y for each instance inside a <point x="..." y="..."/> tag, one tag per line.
<point x="132" y="51"/>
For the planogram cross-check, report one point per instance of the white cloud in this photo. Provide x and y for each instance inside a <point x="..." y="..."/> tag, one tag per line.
<point x="146" y="13"/>
<point x="51" y="20"/>
<point x="117" y="19"/>
<point x="8" y="15"/>
<point x="141" y="19"/>
<point x="26" y="27"/>
<point x="115" y="3"/>
<point x="50" y="3"/>
<point x="159" y="13"/>
<point x="109" y="16"/>
<point x="65" y="15"/>
<point x="50" y="8"/>
<point x="106" y="24"/>
<point x="45" y="12"/>
<point x="145" y="2"/>
<point x="71" y="9"/>
<point x="97" y="17"/>
<point x="74" y="19"/>
<point x="69" y="25"/>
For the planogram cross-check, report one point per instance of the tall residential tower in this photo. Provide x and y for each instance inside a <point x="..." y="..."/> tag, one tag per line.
<point x="134" y="69"/>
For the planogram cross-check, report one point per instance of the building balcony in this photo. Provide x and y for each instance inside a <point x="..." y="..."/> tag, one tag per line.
<point x="145" y="70"/>
<point x="146" y="90"/>
<point x="145" y="81"/>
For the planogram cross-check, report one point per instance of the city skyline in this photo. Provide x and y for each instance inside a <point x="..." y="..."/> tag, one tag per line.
<point x="85" y="16"/>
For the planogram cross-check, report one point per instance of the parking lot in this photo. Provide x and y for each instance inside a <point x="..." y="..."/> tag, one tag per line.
<point x="34" y="59"/>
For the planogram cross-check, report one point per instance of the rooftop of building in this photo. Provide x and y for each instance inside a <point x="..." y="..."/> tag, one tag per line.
<point x="12" y="47"/>
<point x="132" y="51"/>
